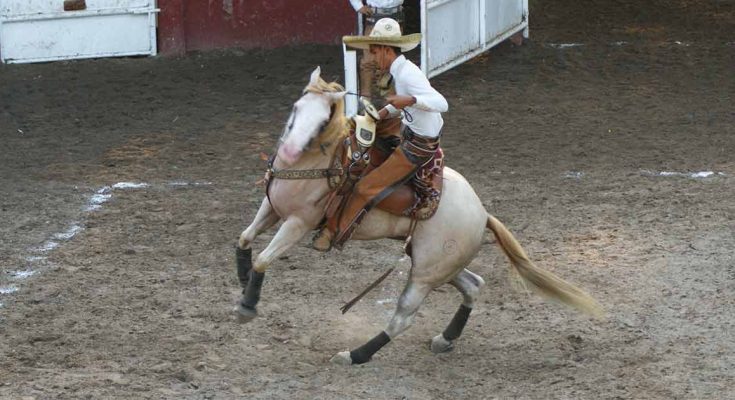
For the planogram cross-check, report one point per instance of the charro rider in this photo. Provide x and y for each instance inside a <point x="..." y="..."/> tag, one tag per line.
<point x="420" y="107"/>
<point x="374" y="10"/>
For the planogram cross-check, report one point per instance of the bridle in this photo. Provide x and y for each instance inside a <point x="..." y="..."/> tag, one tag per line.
<point x="335" y="169"/>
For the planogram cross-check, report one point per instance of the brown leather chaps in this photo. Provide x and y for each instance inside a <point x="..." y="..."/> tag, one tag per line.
<point x="413" y="152"/>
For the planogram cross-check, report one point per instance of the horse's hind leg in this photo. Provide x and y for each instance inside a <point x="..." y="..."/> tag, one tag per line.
<point x="469" y="284"/>
<point x="408" y="303"/>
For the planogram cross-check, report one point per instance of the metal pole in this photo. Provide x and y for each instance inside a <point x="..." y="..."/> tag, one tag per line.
<point x="424" y="35"/>
<point x="350" y="65"/>
<point x="360" y="25"/>
<point x="525" y="14"/>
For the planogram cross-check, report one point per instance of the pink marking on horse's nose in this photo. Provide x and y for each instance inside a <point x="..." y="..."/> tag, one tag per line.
<point x="288" y="153"/>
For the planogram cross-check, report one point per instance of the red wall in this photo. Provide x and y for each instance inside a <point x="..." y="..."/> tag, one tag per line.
<point x="207" y="24"/>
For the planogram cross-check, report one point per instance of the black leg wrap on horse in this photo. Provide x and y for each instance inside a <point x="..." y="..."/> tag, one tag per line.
<point x="251" y="295"/>
<point x="364" y="353"/>
<point x="244" y="265"/>
<point x="458" y="322"/>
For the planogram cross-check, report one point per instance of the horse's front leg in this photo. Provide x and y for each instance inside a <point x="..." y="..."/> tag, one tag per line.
<point x="292" y="230"/>
<point x="264" y="219"/>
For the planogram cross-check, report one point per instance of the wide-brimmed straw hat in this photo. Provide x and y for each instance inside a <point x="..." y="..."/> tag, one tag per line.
<point x="386" y="32"/>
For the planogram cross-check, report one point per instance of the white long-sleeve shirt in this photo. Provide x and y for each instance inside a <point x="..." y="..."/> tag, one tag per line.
<point x="425" y="115"/>
<point x="357" y="4"/>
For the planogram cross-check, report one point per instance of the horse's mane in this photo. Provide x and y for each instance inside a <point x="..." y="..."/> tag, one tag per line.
<point x="337" y="128"/>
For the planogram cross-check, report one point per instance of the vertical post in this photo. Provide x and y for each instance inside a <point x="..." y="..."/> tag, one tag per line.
<point x="2" y="60"/>
<point x="483" y="24"/>
<point x="525" y="14"/>
<point x="360" y="25"/>
<point x="350" y="61"/>
<point x="424" y="41"/>
<point x="152" y="22"/>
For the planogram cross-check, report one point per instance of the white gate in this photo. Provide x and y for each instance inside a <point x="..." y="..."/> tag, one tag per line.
<point x="452" y="32"/>
<point x="40" y="30"/>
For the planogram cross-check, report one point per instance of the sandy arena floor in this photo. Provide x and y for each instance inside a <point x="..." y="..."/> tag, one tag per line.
<point x="611" y="161"/>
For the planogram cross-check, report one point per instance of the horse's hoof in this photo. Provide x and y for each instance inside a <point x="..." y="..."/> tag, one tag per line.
<point x="245" y="314"/>
<point x="342" y="358"/>
<point x="322" y="241"/>
<point x="441" y="345"/>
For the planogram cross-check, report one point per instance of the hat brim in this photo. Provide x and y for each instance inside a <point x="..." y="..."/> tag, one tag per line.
<point x="405" y="43"/>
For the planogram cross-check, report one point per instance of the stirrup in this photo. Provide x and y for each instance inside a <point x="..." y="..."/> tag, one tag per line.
<point x="322" y="241"/>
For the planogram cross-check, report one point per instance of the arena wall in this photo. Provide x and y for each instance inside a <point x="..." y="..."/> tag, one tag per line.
<point x="186" y="25"/>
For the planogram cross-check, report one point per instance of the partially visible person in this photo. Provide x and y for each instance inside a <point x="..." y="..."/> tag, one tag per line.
<point x="372" y="11"/>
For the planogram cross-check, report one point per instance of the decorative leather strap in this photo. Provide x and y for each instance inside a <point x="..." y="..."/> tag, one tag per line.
<point x="335" y="171"/>
<point x="306" y="173"/>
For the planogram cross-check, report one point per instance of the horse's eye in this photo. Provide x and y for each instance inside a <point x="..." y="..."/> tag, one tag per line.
<point x="321" y="128"/>
<point x="291" y="120"/>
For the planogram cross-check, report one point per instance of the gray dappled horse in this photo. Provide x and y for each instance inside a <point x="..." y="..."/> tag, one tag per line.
<point x="442" y="246"/>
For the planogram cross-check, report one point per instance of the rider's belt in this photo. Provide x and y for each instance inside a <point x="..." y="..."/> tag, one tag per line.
<point x="419" y="149"/>
<point x="386" y="10"/>
<point x="379" y="13"/>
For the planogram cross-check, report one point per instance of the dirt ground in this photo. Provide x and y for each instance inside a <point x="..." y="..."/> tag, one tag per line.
<point x="589" y="154"/>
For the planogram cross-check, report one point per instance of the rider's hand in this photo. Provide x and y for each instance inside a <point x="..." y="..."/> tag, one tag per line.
<point x="383" y="113"/>
<point x="401" y="102"/>
<point x="365" y="10"/>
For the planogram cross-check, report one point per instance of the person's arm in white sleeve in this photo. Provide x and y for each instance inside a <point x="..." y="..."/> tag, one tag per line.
<point x="427" y="98"/>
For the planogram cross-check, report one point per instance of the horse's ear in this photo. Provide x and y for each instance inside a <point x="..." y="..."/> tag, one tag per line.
<point x="315" y="76"/>
<point x="335" y="96"/>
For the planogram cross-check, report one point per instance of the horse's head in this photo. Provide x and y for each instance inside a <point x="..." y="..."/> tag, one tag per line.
<point x="320" y="103"/>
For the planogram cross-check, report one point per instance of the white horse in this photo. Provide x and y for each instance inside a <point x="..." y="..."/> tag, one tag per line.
<point x="442" y="246"/>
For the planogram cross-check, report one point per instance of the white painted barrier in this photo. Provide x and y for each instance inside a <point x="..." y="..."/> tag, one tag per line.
<point x="454" y="31"/>
<point x="40" y="30"/>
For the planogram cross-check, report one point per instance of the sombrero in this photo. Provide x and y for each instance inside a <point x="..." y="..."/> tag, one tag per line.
<point x="386" y="32"/>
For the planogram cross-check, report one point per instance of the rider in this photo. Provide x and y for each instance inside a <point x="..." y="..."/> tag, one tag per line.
<point x="422" y="123"/>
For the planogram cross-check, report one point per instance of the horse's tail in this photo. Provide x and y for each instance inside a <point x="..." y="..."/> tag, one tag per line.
<point x="537" y="279"/>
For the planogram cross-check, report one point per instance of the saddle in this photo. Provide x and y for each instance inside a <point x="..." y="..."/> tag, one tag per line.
<point x="418" y="198"/>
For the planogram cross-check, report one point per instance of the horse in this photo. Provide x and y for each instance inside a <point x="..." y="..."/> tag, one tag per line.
<point x="441" y="246"/>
